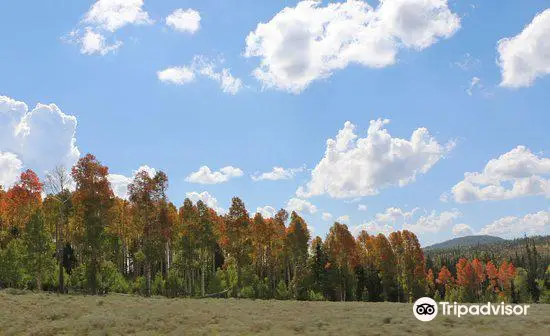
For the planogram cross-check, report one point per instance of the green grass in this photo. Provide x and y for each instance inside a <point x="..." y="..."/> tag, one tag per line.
<point x="50" y="314"/>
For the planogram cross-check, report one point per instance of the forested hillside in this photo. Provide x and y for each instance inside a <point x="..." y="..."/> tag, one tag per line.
<point x="465" y="242"/>
<point x="70" y="233"/>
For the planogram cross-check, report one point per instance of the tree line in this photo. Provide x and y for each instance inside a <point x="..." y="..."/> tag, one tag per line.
<point x="85" y="239"/>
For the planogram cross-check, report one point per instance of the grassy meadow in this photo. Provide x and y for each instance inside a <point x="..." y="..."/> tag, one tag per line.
<point x="25" y="313"/>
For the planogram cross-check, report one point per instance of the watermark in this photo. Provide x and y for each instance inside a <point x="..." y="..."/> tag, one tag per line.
<point x="426" y="309"/>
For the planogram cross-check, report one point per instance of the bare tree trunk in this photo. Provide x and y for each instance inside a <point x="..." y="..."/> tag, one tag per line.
<point x="59" y="243"/>
<point x="203" y="270"/>
<point x="148" y="277"/>
<point x="167" y="254"/>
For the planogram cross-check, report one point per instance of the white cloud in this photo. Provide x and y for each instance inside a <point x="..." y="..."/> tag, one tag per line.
<point x="514" y="227"/>
<point x="434" y="222"/>
<point x="176" y="75"/>
<point x="418" y="222"/>
<point x="187" y="21"/>
<point x="206" y="176"/>
<point x="106" y="17"/>
<point x="462" y="229"/>
<point x="92" y="42"/>
<point x="394" y="215"/>
<point x="343" y="219"/>
<point x="278" y="173"/>
<point x="10" y="169"/>
<point x="475" y="82"/>
<point x="112" y="15"/>
<point x="362" y="207"/>
<point x="373" y="228"/>
<point x="119" y="183"/>
<point x="526" y="56"/>
<point x="208" y="199"/>
<point x="468" y="63"/>
<point x="206" y="68"/>
<point x="300" y="205"/>
<point x="310" y="41"/>
<point x="326" y="216"/>
<point x="519" y="168"/>
<point x="266" y="211"/>
<point x="354" y="166"/>
<point x="41" y="138"/>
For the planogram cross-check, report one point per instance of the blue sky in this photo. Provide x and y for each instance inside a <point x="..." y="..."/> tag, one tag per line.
<point x="418" y="74"/>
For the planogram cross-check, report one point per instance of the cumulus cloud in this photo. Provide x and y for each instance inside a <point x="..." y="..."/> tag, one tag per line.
<point x="10" y="169"/>
<point x="394" y="215"/>
<point x="119" y="183"/>
<point x="92" y="42"/>
<point x="266" y="211"/>
<point x="373" y="228"/>
<point x="461" y="230"/>
<point x="514" y="174"/>
<point x="187" y="21"/>
<point x="343" y="219"/>
<point x="104" y="18"/>
<point x="206" y="176"/>
<point x="513" y="227"/>
<point x="326" y="216"/>
<point x="176" y="75"/>
<point x="354" y="167"/>
<point x="362" y="207"/>
<point x="417" y="221"/>
<point x="278" y="173"/>
<point x="39" y="139"/>
<point x="205" y="68"/>
<point x="301" y="206"/>
<point x="526" y="56"/>
<point x="433" y="222"/>
<point x="208" y="199"/>
<point x="310" y="41"/>
<point x="112" y="15"/>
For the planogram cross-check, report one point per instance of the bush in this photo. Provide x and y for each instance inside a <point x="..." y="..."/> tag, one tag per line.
<point x="158" y="285"/>
<point x="12" y="271"/>
<point x="315" y="296"/>
<point x="545" y="296"/>
<point x="215" y="284"/>
<point x="247" y="292"/>
<point x="262" y="288"/>
<point x="111" y="280"/>
<point x="140" y="286"/>
<point x="173" y="285"/>
<point x="281" y="292"/>
<point x="78" y="281"/>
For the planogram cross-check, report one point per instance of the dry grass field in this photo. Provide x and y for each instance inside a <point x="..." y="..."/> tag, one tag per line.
<point x="50" y="314"/>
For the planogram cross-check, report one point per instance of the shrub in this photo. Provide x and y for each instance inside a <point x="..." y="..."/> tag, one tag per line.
<point x="247" y="292"/>
<point x="140" y="286"/>
<point x="315" y="296"/>
<point x="111" y="280"/>
<point x="173" y="285"/>
<point x="281" y="293"/>
<point x="12" y="271"/>
<point x="158" y="285"/>
<point x="78" y="281"/>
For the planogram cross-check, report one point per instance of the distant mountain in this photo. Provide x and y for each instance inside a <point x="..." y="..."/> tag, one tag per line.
<point x="466" y="242"/>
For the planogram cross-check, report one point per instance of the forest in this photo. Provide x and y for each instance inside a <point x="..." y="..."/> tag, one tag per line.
<point x="70" y="234"/>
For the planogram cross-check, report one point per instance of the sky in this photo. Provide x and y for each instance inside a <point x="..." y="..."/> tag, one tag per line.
<point x="425" y="115"/>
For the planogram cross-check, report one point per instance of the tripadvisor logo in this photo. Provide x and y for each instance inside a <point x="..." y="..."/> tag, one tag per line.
<point x="426" y="309"/>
